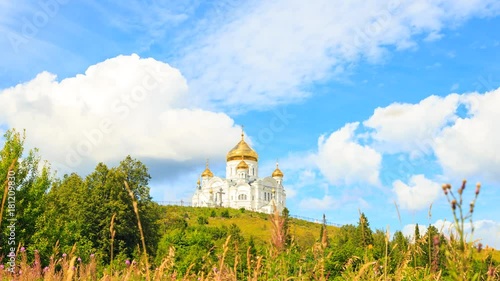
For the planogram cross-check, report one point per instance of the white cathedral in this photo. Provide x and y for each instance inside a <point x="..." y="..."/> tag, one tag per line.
<point x="242" y="187"/>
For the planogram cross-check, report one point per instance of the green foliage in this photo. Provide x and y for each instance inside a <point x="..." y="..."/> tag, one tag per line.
<point x="78" y="211"/>
<point x="363" y="232"/>
<point x="225" y="214"/>
<point x="26" y="200"/>
<point x="202" y="220"/>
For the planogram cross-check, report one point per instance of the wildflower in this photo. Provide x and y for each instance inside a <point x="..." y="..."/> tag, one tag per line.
<point x="478" y="187"/>
<point x="215" y="269"/>
<point x="445" y="189"/>
<point x="491" y="271"/>
<point x="1" y="266"/>
<point x="436" y="240"/>
<point x="64" y="255"/>
<point x="370" y="247"/>
<point x="79" y="259"/>
<point x="23" y="249"/>
<point x="45" y="269"/>
<point x="454" y="204"/>
<point x="91" y="256"/>
<point x="471" y="207"/>
<point x="127" y="262"/>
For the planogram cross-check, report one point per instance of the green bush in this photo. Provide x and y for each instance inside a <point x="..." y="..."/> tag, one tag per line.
<point x="225" y="214"/>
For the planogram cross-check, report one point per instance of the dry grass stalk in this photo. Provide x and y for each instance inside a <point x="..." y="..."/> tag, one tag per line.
<point x="143" y="240"/>
<point x="278" y="233"/>
<point x="112" y="232"/>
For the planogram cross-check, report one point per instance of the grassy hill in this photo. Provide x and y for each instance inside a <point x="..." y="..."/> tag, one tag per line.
<point x="258" y="225"/>
<point x="251" y="224"/>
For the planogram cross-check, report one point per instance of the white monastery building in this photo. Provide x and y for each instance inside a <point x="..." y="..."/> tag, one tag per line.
<point x="242" y="187"/>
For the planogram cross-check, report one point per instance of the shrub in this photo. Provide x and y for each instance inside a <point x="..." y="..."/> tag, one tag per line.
<point x="202" y="220"/>
<point x="225" y="214"/>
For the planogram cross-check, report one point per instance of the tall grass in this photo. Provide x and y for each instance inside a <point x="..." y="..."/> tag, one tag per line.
<point x="283" y="261"/>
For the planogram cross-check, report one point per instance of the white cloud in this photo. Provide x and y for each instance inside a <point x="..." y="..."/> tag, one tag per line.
<point x="344" y="161"/>
<point x="265" y="54"/>
<point x="411" y="128"/>
<point x="409" y="230"/>
<point x="485" y="231"/>
<point x="124" y="105"/>
<point x="325" y="203"/>
<point x="418" y="194"/>
<point x="464" y="145"/>
<point x="470" y="146"/>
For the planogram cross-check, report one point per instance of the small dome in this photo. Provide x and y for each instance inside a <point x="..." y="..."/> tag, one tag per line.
<point x="242" y="149"/>
<point x="242" y="165"/>
<point x="277" y="172"/>
<point x="207" y="172"/>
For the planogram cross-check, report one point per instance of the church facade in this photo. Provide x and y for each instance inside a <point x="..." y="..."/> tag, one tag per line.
<point x="242" y="187"/>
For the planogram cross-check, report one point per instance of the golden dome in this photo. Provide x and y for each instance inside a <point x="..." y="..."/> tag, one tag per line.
<point x="277" y="172"/>
<point x="242" y="165"/>
<point x="242" y="149"/>
<point x="207" y="172"/>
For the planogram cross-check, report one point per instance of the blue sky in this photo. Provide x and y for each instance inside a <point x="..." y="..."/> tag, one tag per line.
<point x="367" y="105"/>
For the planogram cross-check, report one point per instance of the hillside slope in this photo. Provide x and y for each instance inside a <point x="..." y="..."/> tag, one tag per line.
<point x="251" y="224"/>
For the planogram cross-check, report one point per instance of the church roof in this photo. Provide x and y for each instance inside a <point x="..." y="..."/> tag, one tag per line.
<point x="242" y="149"/>
<point x="277" y="172"/>
<point x="207" y="172"/>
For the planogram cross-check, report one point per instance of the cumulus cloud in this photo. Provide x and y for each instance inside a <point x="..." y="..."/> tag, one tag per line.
<point x="124" y="105"/>
<point x="418" y="194"/>
<point x="263" y="53"/>
<point x="342" y="160"/>
<point x="411" y="128"/>
<point x="469" y="147"/>
<point x="464" y="143"/>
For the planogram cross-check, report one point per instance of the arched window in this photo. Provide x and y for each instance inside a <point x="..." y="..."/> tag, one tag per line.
<point x="242" y="197"/>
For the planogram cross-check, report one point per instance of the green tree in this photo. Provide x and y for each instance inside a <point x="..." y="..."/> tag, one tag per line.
<point x="26" y="199"/>
<point x="399" y="246"/>
<point x="286" y="227"/>
<point x="64" y="220"/>
<point x="417" y="254"/>
<point x="364" y="233"/>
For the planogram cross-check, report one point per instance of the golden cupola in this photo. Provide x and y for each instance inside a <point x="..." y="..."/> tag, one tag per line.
<point x="242" y="149"/>
<point x="277" y="172"/>
<point x="242" y="165"/>
<point x="207" y="172"/>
